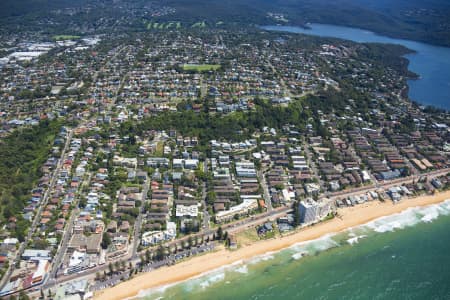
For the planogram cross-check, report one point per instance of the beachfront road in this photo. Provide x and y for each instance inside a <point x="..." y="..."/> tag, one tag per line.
<point x="255" y="220"/>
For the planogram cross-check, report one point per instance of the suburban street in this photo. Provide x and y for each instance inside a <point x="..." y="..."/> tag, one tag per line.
<point x="67" y="234"/>
<point x="138" y="223"/>
<point x="266" y="194"/>
<point x="206" y="216"/>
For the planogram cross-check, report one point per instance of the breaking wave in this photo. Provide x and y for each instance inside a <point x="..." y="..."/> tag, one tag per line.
<point x="314" y="247"/>
<point x="349" y="237"/>
<point x="264" y="257"/>
<point x="409" y="217"/>
<point x="355" y="239"/>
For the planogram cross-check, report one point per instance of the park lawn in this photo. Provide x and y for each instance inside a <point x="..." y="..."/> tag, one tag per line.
<point x="164" y="25"/>
<point x="247" y="237"/>
<point x="159" y="151"/>
<point x="199" y="25"/>
<point x="63" y="37"/>
<point x="200" y="68"/>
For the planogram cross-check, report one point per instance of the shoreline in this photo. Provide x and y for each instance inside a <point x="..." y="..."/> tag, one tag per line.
<point x="348" y="217"/>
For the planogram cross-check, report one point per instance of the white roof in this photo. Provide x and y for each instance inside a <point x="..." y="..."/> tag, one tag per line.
<point x="11" y="241"/>
<point x="191" y="162"/>
<point x="76" y="258"/>
<point x="41" y="269"/>
<point x="36" y="253"/>
<point x="184" y="210"/>
<point x="246" y="204"/>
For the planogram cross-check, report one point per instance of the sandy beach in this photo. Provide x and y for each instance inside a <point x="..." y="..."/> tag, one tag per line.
<point x="348" y="217"/>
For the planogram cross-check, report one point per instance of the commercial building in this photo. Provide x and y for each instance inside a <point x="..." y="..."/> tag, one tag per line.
<point x="241" y="209"/>
<point x="89" y="244"/>
<point x="245" y="169"/>
<point x="33" y="254"/>
<point x="310" y="210"/>
<point x="187" y="211"/>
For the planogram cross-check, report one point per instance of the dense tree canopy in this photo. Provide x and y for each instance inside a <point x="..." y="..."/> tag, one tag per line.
<point x="22" y="155"/>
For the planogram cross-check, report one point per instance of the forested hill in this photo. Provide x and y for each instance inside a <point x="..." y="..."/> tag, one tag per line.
<point x="22" y="155"/>
<point x="421" y="20"/>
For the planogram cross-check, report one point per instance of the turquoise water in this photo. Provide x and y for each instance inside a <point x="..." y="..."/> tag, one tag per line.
<point x="431" y="63"/>
<point x="403" y="256"/>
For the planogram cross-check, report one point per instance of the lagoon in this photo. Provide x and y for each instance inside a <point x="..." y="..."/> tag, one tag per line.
<point x="431" y="63"/>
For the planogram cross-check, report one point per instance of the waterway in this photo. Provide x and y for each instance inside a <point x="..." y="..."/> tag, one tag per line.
<point x="431" y="63"/>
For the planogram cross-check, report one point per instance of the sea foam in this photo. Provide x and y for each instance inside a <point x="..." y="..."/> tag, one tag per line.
<point x="409" y="217"/>
<point x="264" y="257"/>
<point x="206" y="282"/>
<point x="242" y="269"/>
<point x="355" y="239"/>
<point x="314" y="246"/>
<point x="406" y="218"/>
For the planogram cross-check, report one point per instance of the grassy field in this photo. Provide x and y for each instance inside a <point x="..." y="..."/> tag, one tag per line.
<point x="247" y="237"/>
<point x="159" y="151"/>
<point x="199" y="25"/>
<point x="63" y="37"/>
<point x="152" y="25"/>
<point x="200" y="68"/>
<point x="164" y="25"/>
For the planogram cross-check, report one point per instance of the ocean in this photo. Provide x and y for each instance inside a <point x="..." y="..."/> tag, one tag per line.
<point x="402" y="256"/>
<point x="431" y="63"/>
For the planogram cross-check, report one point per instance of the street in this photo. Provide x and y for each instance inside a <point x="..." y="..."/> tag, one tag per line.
<point x="242" y="225"/>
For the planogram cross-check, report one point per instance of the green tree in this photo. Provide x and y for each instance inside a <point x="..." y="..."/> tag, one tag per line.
<point x="211" y="197"/>
<point x="147" y="256"/>
<point x="219" y="233"/>
<point x="23" y="296"/>
<point x="106" y="241"/>
<point x="160" y="253"/>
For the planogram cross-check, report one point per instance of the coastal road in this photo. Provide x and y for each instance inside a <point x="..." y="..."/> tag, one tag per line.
<point x="231" y="228"/>
<point x="116" y="279"/>
<point x="241" y="225"/>
<point x="257" y="220"/>
<point x="386" y="184"/>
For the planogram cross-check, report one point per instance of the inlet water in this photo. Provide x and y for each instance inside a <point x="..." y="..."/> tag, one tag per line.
<point x="431" y="63"/>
